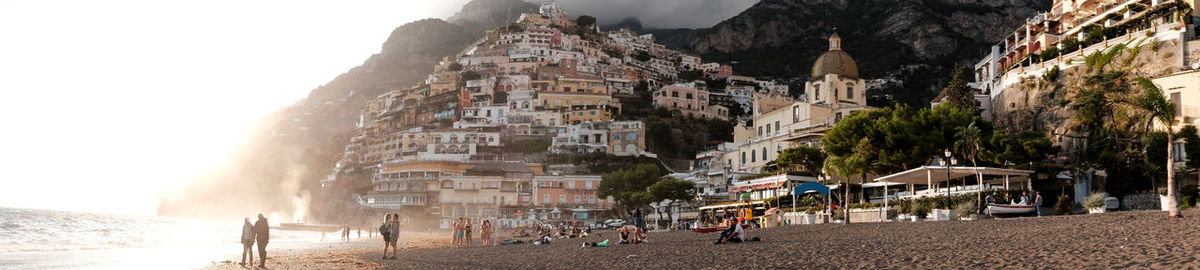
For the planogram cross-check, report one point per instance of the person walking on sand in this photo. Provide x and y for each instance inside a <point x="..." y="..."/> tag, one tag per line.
<point x="385" y="230"/>
<point x="247" y="242"/>
<point x="1037" y="202"/>
<point x="394" y="231"/>
<point x="485" y="234"/>
<point x="637" y="218"/>
<point x="262" y="233"/>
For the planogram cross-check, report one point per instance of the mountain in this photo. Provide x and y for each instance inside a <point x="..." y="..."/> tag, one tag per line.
<point x="916" y="41"/>
<point x="279" y="169"/>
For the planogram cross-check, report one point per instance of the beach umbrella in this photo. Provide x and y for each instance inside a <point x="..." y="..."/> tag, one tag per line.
<point x="555" y="211"/>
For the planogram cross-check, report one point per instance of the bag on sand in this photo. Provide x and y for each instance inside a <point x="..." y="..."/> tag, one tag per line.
<point x="384" y="230"/>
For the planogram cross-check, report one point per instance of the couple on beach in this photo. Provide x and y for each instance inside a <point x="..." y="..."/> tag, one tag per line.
<point x="259" y="232"/>
<point x="390" y="230"/>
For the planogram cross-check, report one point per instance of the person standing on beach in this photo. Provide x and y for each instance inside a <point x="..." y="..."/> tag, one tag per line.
<point x="467" y="232"/>
<point x="386" y="231"/>
<point x="1037" y="202"/>
<point x="637" y="218"/>
<point x="394" y="231"/>
<point x="262" y="233"/>
<point x="247" y="242"/>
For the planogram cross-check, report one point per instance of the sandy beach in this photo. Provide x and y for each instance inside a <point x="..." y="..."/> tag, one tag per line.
<point x="1132" y="239"/>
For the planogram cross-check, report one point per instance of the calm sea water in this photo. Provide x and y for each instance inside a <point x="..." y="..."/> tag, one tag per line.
<point x="47" y="239"/>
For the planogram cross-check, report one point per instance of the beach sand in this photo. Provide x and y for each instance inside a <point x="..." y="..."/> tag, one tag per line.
<point x="1128" y="239"/>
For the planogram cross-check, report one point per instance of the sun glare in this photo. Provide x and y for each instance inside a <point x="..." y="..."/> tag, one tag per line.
<point x="113" y="103"/>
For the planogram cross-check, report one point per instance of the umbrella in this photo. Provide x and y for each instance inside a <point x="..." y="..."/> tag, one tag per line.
<point x="745" y="195"/>
<point x="555" y="211"/>
<point x="518" y="213"/>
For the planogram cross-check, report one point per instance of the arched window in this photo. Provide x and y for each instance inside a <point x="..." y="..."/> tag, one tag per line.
<point x="631" y="147"/>
<point x="439" y="149"/>
<point x="764" y="153"/>
<point x="631" y="136"/>
<point x="617" y="148"/>
<point x="453" y="138"/>
<point x="753" y="155"/>
<point x="849" y="91"/>
<point x="617" y="136"/>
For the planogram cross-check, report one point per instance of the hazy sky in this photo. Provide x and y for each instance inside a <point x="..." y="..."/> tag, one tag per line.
<point x="107" y="104"/>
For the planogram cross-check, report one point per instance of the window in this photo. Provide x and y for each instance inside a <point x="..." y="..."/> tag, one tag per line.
<point x="566" y="89"/>
<point x="617" y="136"/>
<point x="764" y="153"/>
<point x="743" y="158"/>
<point x="571" y="185"/>
<point x="776" y="126"/>
<point x="768" y="129"/>
<point x="850" y="91"/>
<point x="760" y="131"/>
<point x="689" y="95"/>
<point x="1178" y="149"/>
<point x="1176" y="99"/>
<point x="753" y="156"/>
<point x="588" y="184"/>
<point x="578" y="199"/>
<point x="631" y="136"/>
<point x="545" y="198"/>
<point x="562" y="198"/>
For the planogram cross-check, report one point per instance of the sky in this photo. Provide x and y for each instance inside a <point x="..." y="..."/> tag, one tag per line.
<point x="106" y="105"/>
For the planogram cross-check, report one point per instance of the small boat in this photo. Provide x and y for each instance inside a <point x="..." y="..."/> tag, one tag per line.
<point x="716" y="228"/>
<point x="1008" y="209"/>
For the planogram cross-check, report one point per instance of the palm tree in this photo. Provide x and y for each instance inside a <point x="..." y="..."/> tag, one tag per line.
<point x="857" y="163"/>
<point x="1158" y="107"/>
<point x="968" y="144"/>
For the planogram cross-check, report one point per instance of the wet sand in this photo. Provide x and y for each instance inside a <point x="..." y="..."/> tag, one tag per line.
<point x="1130" y="239"/>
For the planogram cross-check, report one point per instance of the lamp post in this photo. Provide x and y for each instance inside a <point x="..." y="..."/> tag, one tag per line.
<point x="948" y="162"/>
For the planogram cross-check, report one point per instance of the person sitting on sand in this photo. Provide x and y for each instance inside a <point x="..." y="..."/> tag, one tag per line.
<point x="247" y="241"/>
<point x="622" y="236"/>
<point x="732" y="234"/>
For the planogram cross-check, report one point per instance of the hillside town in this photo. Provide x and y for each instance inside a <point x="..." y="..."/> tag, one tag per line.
<point x="490" y="132"/>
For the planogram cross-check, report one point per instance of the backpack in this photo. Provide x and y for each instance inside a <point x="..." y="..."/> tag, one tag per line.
<point x="384" y="230"/>
<point x="247" y="234"/>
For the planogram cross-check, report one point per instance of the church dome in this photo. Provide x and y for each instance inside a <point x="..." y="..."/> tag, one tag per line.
<point x="834" y="61"/>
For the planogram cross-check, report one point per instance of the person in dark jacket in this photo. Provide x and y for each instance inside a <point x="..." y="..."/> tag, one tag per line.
<point x="263" y="234"/>
<point x="247" y="242"/>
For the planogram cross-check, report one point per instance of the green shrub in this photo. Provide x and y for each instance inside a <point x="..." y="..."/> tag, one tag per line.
<point x="966" y="208"/>
<point x="920" y="211"/>
<point x="1096" y="200"/>
<point x="1189" y="194"/>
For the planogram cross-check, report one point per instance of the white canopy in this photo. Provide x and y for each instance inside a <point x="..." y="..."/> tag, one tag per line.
<point x="934" y="174"/>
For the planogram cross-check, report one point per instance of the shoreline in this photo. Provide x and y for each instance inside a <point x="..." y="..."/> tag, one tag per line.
<point x="1116" y="239"/>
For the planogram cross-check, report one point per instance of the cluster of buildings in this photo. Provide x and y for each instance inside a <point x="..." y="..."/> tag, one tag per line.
<point x="444" y="148"/>
<point x="1072" y="29"/>
<point x="778" y="122"/>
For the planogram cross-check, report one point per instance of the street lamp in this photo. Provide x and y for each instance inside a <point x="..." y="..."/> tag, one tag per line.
<point x="948" y="162"/>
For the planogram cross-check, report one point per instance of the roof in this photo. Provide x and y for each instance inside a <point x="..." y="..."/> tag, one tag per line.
<point x="834" y="61"/>
<point x="926" y="174"/>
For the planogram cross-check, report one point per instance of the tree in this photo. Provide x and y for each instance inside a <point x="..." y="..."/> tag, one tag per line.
<point x="628" y="187"/>
<point x="958" y="94"/>
<point x="1157" y="107"/>
<point x="672" y="189"/>
<point x="805" y="159"/>
<point x="968" y="144"/>
<point x="856" y="163"/>
<point x="585" y="21"/>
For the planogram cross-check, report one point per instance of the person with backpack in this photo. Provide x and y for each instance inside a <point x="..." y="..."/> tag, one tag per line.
<point x="385" y="230"/>
<point x="394" y="231"/>
<point x="247" y="242"/>
<point x="262" y="234"/>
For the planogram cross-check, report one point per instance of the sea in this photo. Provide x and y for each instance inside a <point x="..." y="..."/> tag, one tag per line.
<point x="49" y="239"/>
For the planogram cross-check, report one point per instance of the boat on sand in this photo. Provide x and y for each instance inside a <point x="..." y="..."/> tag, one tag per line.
<point x="1010" y="209"/>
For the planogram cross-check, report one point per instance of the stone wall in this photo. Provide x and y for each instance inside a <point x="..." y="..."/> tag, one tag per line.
<point x="1146" y="201"/>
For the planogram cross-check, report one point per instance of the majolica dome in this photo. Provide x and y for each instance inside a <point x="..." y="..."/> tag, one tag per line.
<point x="834" y="61"/>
